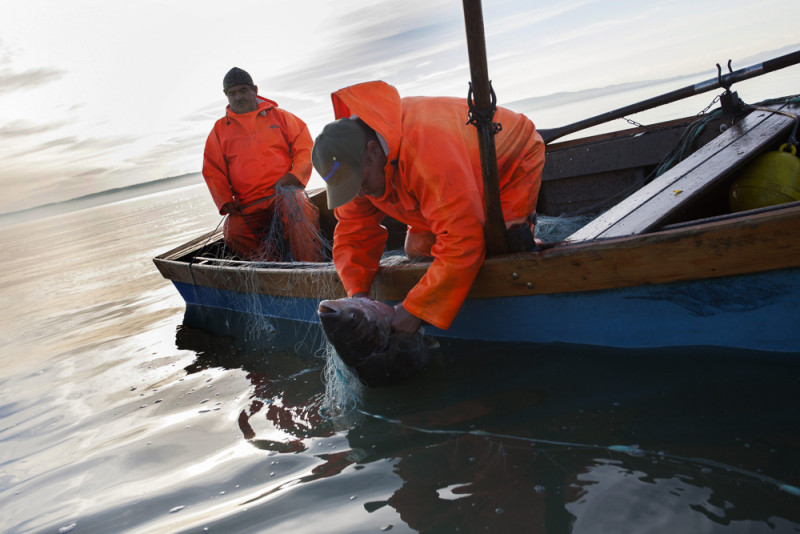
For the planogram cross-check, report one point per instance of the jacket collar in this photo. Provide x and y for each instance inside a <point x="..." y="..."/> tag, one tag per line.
<point x="264" y="105"/>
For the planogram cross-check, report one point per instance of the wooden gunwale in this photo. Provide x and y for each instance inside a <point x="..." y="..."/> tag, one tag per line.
<point x="762" y="242"/>
<point x="746" y="244"/>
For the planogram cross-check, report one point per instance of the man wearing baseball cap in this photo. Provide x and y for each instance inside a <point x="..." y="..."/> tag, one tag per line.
<point x="417" y="160"/>
<point x="251" y="151"/>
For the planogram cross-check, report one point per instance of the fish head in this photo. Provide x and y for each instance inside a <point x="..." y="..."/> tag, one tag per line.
<point x="356" y="327"/>
<point x="360" y="329"/>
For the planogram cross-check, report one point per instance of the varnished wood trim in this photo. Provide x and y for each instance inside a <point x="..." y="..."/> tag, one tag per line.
<point x="751" y="243"/>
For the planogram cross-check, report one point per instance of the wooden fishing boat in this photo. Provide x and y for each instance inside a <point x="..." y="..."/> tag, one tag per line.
<point x="662" y="261"/>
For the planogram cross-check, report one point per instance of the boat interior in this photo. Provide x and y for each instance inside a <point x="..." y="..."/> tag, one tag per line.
<point x="633" y="181"/>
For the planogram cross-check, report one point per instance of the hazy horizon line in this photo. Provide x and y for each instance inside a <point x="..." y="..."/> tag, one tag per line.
<point x="555" y="99"/>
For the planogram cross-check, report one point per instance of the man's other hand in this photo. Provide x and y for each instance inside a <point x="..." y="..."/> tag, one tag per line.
<point x="403" y="321"/>
<point x="289" y="180"/>
<point x="231" y="207"/>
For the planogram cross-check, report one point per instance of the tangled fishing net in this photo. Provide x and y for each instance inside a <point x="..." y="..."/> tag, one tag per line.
<point x="294" y="240"/>
<point x="343" y="389"/>
<point x="292" y="237"/>
<point x="293" y="233"/>
<point x="554" y="229"/>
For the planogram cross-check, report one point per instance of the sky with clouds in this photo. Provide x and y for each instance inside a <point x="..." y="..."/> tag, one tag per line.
<point x="99" y="94"/>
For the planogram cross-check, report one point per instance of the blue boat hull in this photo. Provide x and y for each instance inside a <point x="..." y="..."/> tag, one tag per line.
<point x="759" y="311"/>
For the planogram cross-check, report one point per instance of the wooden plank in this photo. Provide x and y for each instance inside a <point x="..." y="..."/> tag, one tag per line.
<point x="673" y="189"/>
<point x="591" y="175"/>
<point x="693" y="184"/>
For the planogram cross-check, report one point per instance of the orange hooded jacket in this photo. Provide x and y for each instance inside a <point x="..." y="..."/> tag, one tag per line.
<point x="433" y="184"/>
<point x="246" y="154"/>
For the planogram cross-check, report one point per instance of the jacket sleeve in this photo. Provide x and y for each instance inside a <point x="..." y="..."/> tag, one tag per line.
<point x="439" y="174"/>
<point x="215" y="171"/>
<point x="300" y="143"/>
<point x="358" y="244"/>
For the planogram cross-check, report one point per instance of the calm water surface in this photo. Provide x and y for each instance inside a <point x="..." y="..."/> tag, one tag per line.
<point x="120" y="414"/>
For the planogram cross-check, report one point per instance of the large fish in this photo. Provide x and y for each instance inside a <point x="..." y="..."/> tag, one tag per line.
<point x="360" y="329"/>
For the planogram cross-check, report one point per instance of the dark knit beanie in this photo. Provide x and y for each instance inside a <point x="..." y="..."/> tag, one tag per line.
<point x="236" y="76"/>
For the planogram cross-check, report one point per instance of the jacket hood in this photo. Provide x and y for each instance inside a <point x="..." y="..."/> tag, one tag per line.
<point x="376" y="103"/>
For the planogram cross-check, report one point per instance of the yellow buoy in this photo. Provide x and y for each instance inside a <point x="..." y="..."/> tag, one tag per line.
<point x="770" y="179"/>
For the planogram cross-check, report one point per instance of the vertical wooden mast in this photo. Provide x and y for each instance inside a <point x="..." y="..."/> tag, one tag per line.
<point x="482" y="112"/>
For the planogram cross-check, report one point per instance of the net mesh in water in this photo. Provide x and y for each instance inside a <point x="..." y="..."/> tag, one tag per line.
<point x="294" y="237"/>
<point x="344" y="391"/>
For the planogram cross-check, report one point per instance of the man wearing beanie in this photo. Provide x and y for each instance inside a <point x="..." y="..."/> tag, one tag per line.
<point x="252" y="152"/>
<point x="417" y="160"/>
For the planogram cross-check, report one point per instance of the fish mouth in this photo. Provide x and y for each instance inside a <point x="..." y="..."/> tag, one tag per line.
<point x="329" y="307"/>
<point x="324" y="309"/>
<point x="333" y="318"/>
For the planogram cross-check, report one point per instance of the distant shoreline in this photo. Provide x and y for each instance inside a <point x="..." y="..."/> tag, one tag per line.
<point x="102" y="197"/>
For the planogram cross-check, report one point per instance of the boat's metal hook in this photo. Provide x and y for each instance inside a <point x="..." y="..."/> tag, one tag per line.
<point x="726" y="85"/>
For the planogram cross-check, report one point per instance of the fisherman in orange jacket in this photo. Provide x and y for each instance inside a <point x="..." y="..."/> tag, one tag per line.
<point x="417" y="160"/>
<point x="253" y="151"/>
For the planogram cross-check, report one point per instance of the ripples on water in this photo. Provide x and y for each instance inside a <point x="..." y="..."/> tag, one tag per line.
<point x="120" y="414"/>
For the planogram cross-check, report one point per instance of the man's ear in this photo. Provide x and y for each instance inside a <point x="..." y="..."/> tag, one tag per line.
<point x="374" y="150"/>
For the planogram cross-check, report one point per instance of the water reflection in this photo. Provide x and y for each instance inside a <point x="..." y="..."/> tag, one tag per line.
<point x="510" y="438"/>
<point x="281" y="366"/>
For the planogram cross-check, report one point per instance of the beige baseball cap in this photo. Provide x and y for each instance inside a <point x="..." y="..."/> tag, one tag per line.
<point x="336" y="156"/>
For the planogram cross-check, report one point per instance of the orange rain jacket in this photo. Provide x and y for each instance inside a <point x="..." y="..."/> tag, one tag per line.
<point x="246" y="154"/>
<point x="433" y="184"/>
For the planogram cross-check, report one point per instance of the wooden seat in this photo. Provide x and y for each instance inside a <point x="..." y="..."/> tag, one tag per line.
<point x="656" y="201"/>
